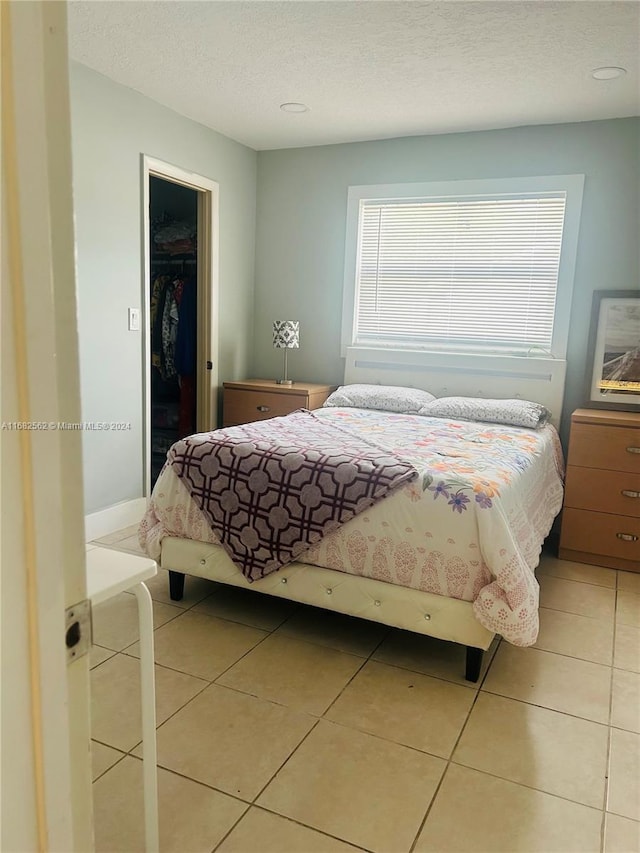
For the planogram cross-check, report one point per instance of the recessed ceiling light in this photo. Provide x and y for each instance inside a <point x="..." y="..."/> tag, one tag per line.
<point x="608" y="72"/>
<point x="293" y="107"/>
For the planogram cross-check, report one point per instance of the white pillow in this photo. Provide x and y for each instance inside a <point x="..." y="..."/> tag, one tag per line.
<point x="513" y="412"/>
<point x="384" y="398"/>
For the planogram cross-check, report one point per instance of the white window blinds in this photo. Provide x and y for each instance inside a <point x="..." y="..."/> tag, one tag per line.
<point x="479" y="273"/>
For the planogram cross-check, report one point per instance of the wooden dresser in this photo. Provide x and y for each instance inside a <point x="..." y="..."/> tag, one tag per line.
<point x="259" y="399"/>
<point x="601" y="514"/>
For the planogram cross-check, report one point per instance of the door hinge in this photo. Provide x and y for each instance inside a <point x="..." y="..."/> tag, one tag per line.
<point x="77" y="636"/>
<point x="209" y="365"/>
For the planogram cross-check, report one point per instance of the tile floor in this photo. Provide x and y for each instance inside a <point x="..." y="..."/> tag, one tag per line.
<point x="286" y="729"/>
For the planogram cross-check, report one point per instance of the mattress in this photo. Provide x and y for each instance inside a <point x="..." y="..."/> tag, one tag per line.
<point x="471" y="527"/>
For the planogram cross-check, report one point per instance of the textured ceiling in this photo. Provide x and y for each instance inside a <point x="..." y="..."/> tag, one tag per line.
<point x="368" y="69"/>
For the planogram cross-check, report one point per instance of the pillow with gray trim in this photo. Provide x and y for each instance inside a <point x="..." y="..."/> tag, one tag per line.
<point x="521" y="413"/>
<point x="384" y="398"/>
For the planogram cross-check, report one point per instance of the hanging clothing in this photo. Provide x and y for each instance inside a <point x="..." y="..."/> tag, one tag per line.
<point x="158" y="301"/>
<point x="186" y="341"/>
<point x="186" y="354"/>
<point x="170" y="319"/>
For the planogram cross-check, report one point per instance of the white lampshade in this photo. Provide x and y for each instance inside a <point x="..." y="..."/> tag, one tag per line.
<point x="286" y="334"/>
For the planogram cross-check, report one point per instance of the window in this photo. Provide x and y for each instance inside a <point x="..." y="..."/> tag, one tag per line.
<point x="486" y="270"/>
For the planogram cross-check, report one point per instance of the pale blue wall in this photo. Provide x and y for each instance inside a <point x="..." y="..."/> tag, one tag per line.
<point x="111" y="127"/>
<point x="302" y="202"/>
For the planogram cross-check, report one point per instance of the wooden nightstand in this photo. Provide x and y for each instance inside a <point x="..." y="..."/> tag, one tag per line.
<point x="259" y="399"/>
<point x="601" y="514"/>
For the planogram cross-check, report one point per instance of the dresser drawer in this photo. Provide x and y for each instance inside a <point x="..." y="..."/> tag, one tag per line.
<point x="610" y="448"/>
<point x="597" y="533"/>
<point x="242" y="407"/>
<point x="615" y="492"/>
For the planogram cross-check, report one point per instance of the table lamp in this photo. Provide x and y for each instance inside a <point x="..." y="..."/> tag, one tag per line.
<point x="286" y="336"/>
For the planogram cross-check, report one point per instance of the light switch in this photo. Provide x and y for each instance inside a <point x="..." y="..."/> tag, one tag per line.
<point x="134" y="319"/>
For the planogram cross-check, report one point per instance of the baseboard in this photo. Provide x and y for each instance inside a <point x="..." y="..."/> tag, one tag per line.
<point x="106" y="521"/>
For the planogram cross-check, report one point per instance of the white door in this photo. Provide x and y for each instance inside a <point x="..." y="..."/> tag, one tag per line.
<point x="46" y="783"/>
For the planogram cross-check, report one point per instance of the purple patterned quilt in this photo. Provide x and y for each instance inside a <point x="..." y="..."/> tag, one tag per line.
<point x="273" y="488"/>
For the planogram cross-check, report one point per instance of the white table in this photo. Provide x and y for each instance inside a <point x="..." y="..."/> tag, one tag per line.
<point x="109" y="573"/>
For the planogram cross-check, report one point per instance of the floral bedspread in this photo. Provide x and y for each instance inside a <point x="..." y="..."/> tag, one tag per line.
<point x="471" y="527"/>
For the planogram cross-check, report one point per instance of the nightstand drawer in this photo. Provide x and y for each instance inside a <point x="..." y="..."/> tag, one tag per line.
<point x="242" y="407"/>
<point x="611" y="448"/>
<point x="260" y="399"/>
<point x="614" y="492"/>
<point x="601" y="533"/>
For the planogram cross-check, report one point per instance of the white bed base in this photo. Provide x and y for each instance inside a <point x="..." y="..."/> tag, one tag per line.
<point x="355" y="595"/>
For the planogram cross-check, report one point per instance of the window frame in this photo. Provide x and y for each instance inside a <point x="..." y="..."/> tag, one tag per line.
<point x="572" y="185"/>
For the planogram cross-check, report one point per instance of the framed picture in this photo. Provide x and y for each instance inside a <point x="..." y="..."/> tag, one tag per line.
<point x="613" y="366"/>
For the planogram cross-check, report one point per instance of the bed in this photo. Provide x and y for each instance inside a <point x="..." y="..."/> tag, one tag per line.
<point x="450" y="552"/>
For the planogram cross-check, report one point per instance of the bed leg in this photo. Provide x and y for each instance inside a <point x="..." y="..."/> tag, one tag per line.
<point x="474" y="663"/>
<point x="176" y="585"/>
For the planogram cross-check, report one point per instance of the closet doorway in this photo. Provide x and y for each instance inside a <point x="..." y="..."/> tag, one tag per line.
<point x="180" y="308"/>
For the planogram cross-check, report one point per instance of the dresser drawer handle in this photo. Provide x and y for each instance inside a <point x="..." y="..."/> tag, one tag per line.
<point x="630" y="493"/>
<point x="633" y="449"/>
<point x="627" y="537"/>
<point x="263" y="408"/>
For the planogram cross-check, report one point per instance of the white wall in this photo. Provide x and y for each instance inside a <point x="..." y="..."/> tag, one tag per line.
<point x="302" y="203"/>
<point x="111" y="127"/>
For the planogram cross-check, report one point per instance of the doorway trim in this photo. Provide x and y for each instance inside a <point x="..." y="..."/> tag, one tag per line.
<point x="208" y="295"/>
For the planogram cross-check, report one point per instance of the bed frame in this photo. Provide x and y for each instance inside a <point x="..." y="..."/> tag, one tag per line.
<point x="530" y="378"/>
<point x="355" y="595"/>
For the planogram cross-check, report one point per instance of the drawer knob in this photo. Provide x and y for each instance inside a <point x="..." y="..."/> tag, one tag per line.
<point x="263" y="408"/>
<point x="627" y="537"/>
<point x="633" y="449"/>
<point x="629" y="493"/>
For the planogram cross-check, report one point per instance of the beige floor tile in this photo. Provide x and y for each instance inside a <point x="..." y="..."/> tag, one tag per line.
<point x="102" y="758"/>
<point x="405" y="707"/>
<point x="429" y="656"/>
<point x="262" y="832"/>
<point x="118" y="535"/>
<point x="584" y="599"/>
<point x="624" y="774"/>
<point x="195" y="589"/>
<point x="533" y="746"/>
<point x="625" y="702"/>
<point x="193" y="818"/>
<point x="628" y="609"/>
<point x="115" y="622"/>
<point x="336" y="630"/>
<point x="98" y="655"/>
<point x="576" y="571"/>
<point x="231" y="741"/>
<point x="247" y="607"/>
<point x="621" y="835"/>
<point x="561" y="683"/>
<point x="627" y="648"/>
<point x="300" y="675"/>
<point x="115" y="699"/>
<point x="629" y="581"/>
<point x="201" y="645"/>
<point x="476" y="813"/>
<point x="576" y="636"/>
<point x="337" y="779"/>
<point x="129" y="544"/>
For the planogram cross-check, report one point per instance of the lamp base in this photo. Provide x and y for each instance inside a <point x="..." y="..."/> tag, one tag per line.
<point x="284" y="381"/>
